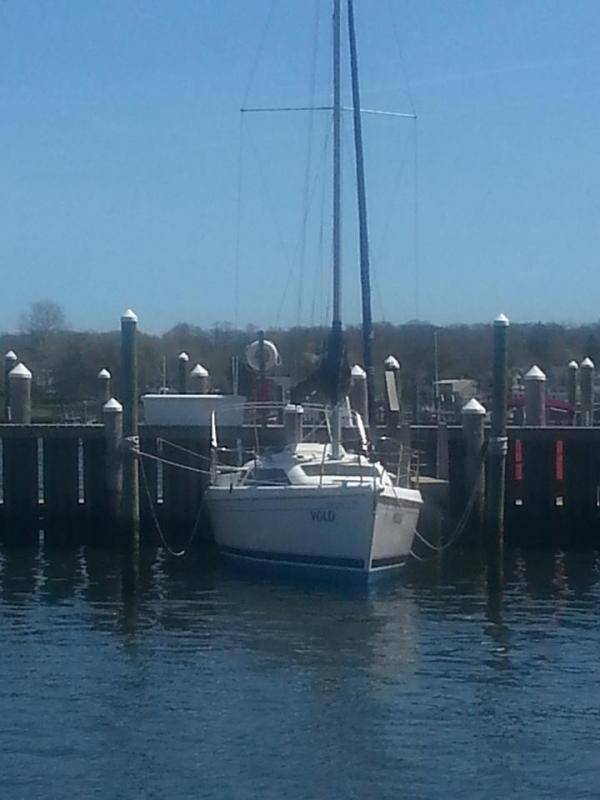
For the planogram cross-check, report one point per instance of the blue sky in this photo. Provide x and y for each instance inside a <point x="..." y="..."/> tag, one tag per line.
<point x="120" y="141"/>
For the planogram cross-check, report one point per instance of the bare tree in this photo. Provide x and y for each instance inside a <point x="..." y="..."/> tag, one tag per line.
<point x="42" y="318"/>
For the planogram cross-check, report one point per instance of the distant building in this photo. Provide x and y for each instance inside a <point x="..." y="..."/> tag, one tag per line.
<point x="453" y="393"/>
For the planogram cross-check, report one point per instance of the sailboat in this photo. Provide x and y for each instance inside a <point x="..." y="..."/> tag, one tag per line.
<point x="313" y="504"/>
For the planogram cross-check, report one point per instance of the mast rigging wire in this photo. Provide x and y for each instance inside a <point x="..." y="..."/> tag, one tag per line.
<point x="238" y="227"/>
<point x="317" y="175"/>
<point x="401" y="57"/>
<point x="259" y="51"/>
<point x="320" y="272"/>
<point x="271" y="204"/>
<point x="308" y="162"/>
<point x="379" y="249"/>
<point x="417" y="252"/>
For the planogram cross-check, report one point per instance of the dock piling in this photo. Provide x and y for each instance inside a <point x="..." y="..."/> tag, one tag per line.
<point x="572" y="370"/>
<point x="199" y="380"/>
<point x="358" y="391"/>
<point x="442" y="455"/>
<point x="19" y="381"/>
<point x="496" y="461"/>
<point x="535" y="397"/>
<point x="292" y="424"/>
<point x="182" y="373"/>
<point x="113" y="437"/>
<point x="473" y="419"/>
<point x="104" y="394"/>
<point x="130" y="507"/>
<point x="586" y="378"/>
<point x="10" y="362"/>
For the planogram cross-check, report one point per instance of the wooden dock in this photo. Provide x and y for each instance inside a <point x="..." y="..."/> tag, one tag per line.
<point x="55" y="479"/>
<point x="552" y="481"/>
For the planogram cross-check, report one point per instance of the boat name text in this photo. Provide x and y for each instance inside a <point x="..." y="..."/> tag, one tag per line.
<point x="322" y="516"/>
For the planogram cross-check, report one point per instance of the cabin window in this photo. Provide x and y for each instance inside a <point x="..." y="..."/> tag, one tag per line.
<point x="267" y="477"/>
<point x="341" y="470"/>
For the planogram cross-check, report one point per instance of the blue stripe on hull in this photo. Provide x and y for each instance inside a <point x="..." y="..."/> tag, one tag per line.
<point x="293" y="558"/>
<point x="382" y="563"/>
<point x="322" y="563"/>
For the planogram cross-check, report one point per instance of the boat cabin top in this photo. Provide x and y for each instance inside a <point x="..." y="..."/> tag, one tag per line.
<point x="307" y="464"/>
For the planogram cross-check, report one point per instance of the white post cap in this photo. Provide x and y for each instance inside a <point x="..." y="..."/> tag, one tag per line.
<point x="573" y="364"/>
<point x="473" y="407"/>
<point x="358" y="372"/>
<point x="183" y="356"/>
<point x="104" y="375"/>
<point x="129" y="316"/>
<point x="199" y="371"/>
<point x="112" y="406"/>
<point x="20" y="371"/>
<point x="391" y="363"/>
<point x="587" y="363"/>
<point x="501" y="321"/>
<point x="10" y="356"/>
<point x="535" y="374"/>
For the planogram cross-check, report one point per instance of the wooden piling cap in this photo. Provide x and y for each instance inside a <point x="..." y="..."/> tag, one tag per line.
<point x="391" y="363"/>
<point x="183" y="356"/>
<point x="112" y="406"/>
<point x="199" y="371"/>
<point x="20" y="371"/>
<point x="587" y="363"/>
<point x="573" y="364"/>
<point x="10" y="356"/>
<point x="129" y="316"/>
<point x="104" y="375"/>
<point x="502" y="321"/>
<point x="357" y="372"/>
<point x="473" y="407"/>
<point x="535" y="374"/>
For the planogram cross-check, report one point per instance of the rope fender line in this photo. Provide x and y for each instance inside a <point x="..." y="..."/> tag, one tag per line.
<point x="160" y="441"/>
<point x="157" y="525"/>
<point x="198" y="470"/>
<point x="463" y="520"/>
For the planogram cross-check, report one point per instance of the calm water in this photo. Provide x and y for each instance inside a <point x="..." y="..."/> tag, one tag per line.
<point x="216" y="686"/>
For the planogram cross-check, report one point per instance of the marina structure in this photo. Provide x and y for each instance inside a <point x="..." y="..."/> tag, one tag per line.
<point x="68" y="483"/>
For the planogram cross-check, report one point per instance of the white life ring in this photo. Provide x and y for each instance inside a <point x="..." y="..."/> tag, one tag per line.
<point x="271" y="355"/>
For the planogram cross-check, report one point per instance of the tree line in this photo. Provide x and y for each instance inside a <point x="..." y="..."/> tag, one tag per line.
<point x="65" y="362"/>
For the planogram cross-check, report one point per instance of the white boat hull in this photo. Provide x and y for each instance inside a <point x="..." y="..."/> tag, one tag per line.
<point x="330" y="528"/>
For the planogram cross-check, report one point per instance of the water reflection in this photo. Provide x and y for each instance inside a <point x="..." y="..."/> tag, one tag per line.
<point x="55" y="574"/>
<point x="208" y="683"/>
<point x="61" y="573"/>
<point x="581" y="570"/>
<point x="20" y="573"/>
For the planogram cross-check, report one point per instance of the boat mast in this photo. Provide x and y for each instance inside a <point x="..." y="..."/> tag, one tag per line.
<point x="337" y="166"/>
<point x="365" y="280"/>
<point x="336" y="420"/>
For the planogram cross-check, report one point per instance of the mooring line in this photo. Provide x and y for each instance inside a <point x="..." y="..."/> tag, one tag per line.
<point x="160" y="440"/>
<point x="162" y="460"/>
<point x="176" y="553"/>
<point x="462" y="522"/>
